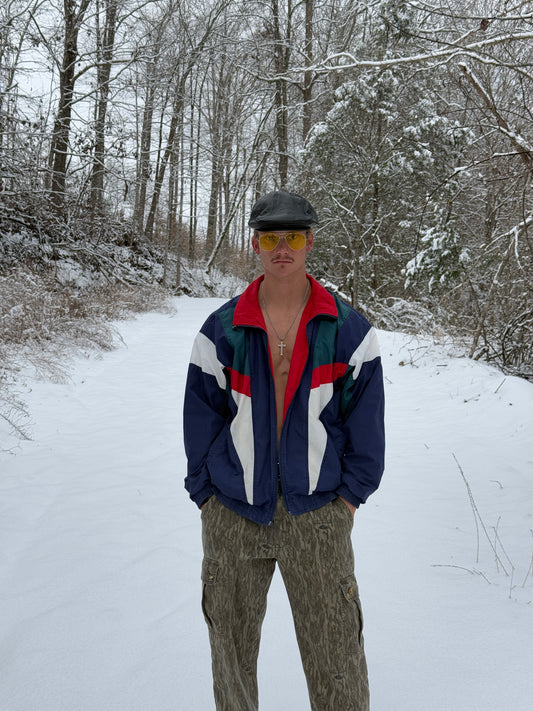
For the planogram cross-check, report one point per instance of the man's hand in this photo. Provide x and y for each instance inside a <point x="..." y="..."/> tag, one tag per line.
<point x="352" y="508"/>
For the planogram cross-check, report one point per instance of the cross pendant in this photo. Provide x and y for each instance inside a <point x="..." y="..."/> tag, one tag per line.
<point x="281" y="346"/>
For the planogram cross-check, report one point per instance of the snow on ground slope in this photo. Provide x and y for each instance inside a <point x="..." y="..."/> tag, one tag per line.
<point x="100" y="547"/>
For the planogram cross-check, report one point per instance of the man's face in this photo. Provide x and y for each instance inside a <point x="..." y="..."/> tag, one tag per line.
<point x="282" y="260"/>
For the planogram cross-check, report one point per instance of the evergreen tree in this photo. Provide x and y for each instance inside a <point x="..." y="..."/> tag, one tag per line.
<point x="383" y="169"/>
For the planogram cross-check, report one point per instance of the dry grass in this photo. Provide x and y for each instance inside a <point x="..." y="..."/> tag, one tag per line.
<point x="43" y="323"/>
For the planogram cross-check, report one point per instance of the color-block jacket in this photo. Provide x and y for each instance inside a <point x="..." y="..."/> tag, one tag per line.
<point x="332" y="440"/>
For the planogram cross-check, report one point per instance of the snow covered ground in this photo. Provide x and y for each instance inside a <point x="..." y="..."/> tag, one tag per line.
<point x="100" y="547"/>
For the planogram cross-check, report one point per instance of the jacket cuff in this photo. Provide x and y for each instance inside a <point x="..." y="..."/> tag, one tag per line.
<point x="201" y="496"/>
<point x="345" y="492"/>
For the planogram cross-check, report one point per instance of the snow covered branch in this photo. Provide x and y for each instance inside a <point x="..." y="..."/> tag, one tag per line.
<point x="345" y="60"/>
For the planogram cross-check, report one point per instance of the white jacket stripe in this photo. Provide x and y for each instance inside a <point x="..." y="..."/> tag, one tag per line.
<point x="316" y="432"/>
<point x="367" y="351"/>
<point x="204" y="355"/>
<point x="242" y="435"/>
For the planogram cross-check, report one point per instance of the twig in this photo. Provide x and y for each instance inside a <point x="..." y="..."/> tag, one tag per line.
<point x="477" y="517"/>
<point x="11" y="422"/>
<point x="499" y="386"/>
<point x="497" y="540"/>
<point x="530" y="569"/>
<point x="472" y="504"/>
<point x="460" y="567"/>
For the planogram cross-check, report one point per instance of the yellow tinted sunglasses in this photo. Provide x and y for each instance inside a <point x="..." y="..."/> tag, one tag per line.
<point x="270" y="240"/>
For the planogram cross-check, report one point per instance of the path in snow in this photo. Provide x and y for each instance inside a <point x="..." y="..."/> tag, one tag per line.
<point x="100" y="546"/>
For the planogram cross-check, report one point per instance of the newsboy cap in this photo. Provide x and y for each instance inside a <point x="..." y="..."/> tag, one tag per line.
<point x="282" y="210"/>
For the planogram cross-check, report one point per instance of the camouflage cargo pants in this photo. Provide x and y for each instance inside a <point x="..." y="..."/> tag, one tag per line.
<point x="315" y="557"/>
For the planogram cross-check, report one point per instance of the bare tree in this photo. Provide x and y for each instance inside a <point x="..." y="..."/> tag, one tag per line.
<point x="307" y="90"/>
<point x="105" y="39"/>
<point x="154" y="45"/>
<point x="282" y="50"/>
<point x="16" y="18"/>
<point x="72" y="19"/>
<point x="194" y="49"/>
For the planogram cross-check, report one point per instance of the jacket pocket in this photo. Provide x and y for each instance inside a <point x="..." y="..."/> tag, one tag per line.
<point x="225" y="468"/>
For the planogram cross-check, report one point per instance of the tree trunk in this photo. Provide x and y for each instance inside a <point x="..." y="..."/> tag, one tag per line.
<point x="172" y="225"/>
<point x="105" y="56"/>
<point x="308" y="75"/>
<point x="210" y="235"/>
<point x="281" y="57"/>
<point x="67" y="79"/>
<point x="160" y="176"/>
<point x="143" y="165"/>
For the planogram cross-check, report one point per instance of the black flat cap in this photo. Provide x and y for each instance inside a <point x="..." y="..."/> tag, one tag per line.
<point x="282" y="210"/>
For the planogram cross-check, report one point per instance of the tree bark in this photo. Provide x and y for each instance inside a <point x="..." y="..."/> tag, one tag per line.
<point x="143" y="164"/>
<point x="105" y="56"/>
<point x="67" y="77"/>
<point x="308" y="74"/>
<point x="281" y="62"/>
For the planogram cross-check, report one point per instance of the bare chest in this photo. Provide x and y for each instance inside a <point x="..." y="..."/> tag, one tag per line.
<point x="281" y="350"/>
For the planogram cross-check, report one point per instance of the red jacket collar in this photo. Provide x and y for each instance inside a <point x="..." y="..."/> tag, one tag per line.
<point x="248" y="313"/>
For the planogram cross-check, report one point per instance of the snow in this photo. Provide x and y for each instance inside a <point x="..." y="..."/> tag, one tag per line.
<point x="101" y="552"/>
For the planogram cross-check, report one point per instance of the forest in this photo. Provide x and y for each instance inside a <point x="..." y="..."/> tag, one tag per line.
<point x="135" y="136"/>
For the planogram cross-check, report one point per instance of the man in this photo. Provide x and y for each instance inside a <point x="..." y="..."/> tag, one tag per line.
<point x="283" y="425"/>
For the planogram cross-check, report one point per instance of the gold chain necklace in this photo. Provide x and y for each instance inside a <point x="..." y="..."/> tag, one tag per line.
<point x="282" y="345"/>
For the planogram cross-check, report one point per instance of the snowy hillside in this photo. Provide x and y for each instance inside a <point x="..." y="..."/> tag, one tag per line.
<point x="100" y="546"/>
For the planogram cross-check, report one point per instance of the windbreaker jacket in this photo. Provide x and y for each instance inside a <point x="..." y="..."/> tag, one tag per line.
<point x="332" y="440"/>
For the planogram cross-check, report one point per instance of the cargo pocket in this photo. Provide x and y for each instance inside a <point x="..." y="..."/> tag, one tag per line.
<point x="351" y="595"/>
<point x="210" y="575"/>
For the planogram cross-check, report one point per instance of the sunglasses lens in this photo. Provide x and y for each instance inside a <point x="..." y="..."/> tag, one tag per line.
<point x="295" y="240"/>
<point x="270" y="240"/>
